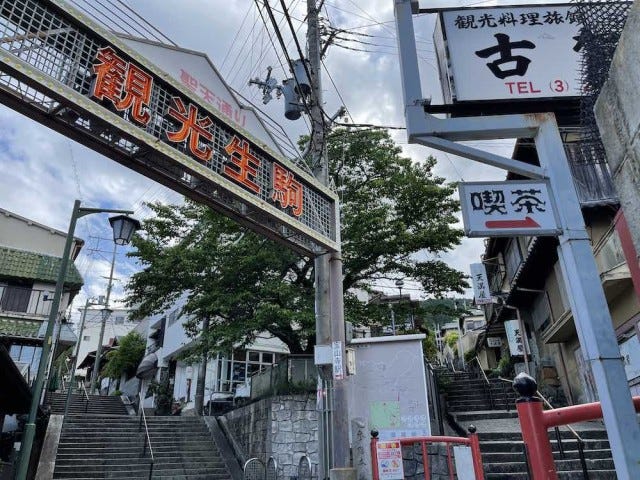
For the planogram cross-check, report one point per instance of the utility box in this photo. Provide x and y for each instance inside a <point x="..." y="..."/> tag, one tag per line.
<point x="387" y="394"/>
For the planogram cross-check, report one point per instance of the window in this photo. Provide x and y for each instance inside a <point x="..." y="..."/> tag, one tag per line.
<point x="119" y="320"/>
<point x="15" y="299"/>
<point x="86" y="338"/>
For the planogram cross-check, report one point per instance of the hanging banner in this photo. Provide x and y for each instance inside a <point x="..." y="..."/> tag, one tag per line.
<point x="514" y="337"/>
<point x="480" y="284"/>
<point x="508" y="209"/>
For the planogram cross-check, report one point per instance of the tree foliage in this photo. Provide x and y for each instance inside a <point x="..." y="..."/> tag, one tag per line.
<point x="396" y="215"/>
<point x="126" y="358"/>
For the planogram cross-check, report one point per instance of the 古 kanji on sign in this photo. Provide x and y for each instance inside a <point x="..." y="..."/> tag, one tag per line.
<point x="124" y="84"/>
<point x="286" y="190"/>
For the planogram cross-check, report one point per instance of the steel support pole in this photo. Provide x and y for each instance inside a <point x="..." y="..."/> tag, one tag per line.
<point x="75" y="358"/>
<point x="589" y="306"/>
<point x="30" y="426"/>
<point x="106" y="313"/>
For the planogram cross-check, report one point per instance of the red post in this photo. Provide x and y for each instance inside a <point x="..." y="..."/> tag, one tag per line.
<point x="450" y="462"/>
<point x="536" y="440"/>
<point x="374" y="456"/>
<point x="425" y="460"/>
<point x="476" y="455"/>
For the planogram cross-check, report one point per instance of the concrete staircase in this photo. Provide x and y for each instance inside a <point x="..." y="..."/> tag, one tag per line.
<point x="501" y="441"/>
<point x="79" y="405"/>
<point x="112" y="446"/>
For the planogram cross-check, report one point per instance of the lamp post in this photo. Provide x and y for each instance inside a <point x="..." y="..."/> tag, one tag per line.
<point x="30" y="426"/>
<point x="400" y="284"/>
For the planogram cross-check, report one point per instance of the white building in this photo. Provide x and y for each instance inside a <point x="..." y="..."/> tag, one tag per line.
<point x="117" y="325"/>
<point x="225" y="372"/>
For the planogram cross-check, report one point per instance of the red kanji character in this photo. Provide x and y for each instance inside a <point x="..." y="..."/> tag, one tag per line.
<point x="245" y="161"/>
<point x="239" y="116"/>
<point x="110" y="75"/>
<point x="207" y="94"/>
<point x="190" y="82"/>
<point x="226" y="109"/>
<point x="286" y="190"/>
<point x="137" y="90"/>
<point x="192" y="128"/>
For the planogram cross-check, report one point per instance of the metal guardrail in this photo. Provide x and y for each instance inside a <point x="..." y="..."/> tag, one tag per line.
<point x="25" y="300"/>
<point x="294" y="371"/>
<point x="147" y="440"/>
<point x="253" y="469"/>
<point x="87" y="400"/>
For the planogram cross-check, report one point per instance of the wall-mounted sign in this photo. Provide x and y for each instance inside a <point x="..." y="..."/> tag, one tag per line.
<point x="511" y="208"/>
<point x="390" y="465"/>
<point x="508" y="52"/>
<point x="338" y="360"/>
<point x="514" y="337"/>
<point x="63" y="70"/>
<point x="480" y="284"/>
<point x="494" y="342"/>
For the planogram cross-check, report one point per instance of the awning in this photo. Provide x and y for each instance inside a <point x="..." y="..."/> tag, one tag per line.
<point x="148" y="366"/>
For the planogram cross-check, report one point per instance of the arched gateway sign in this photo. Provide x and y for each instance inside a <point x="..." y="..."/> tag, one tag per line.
<point x="61" y="69"/>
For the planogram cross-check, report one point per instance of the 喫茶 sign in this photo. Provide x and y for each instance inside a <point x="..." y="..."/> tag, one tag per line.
<point x="511" y="208"/>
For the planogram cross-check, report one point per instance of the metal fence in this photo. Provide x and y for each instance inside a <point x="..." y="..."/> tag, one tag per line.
<point x="295" y="374"/>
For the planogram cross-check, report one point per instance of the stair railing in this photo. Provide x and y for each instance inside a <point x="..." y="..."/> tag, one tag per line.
<point x="487" y="383"/>
<point x="147" y="439"/>
<point x="86" y="397"/>
<point x="579" y="440"/>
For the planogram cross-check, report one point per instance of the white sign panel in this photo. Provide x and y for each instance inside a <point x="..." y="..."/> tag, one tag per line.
<point x="338" y="368"/>
<point x="480" y="283"/>
<point x="494" y="342"/>
<point x="390" y="461"/>
<point x="511" y="208"/>
<point x="514" y="337"/>
<point x="513" y="52"/>
<point x="464" y="462"/>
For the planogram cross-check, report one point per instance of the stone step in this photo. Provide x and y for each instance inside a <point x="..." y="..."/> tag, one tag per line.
<point x="507" y="446"/>
<point x="575" y="475"/>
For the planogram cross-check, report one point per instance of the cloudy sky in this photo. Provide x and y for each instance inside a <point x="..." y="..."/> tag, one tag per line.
<point x="41" y="172"/>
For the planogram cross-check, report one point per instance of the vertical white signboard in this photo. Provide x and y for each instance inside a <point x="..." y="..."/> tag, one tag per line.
<point x="514" y="337"/>
<point x="480" y="283"/>
<point x="338" y="363"/>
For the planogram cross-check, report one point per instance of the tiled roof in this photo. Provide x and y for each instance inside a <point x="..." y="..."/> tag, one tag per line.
<point x="17" y="327"/>
<point x="35" y="266"/>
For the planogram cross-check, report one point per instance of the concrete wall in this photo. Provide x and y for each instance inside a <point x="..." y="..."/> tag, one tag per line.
<point x="284" y="427"/>
<point x="618" y="115"/>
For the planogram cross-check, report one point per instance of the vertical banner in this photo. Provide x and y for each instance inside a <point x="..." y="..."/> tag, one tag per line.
<point x="338" y="367"/>
<point x="514" y="336"/>
<point x="480" y="283"/>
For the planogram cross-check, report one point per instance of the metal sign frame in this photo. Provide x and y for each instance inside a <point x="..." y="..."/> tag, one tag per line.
<point x="588" y="303"/>
<point x="56" y="41"/>
<point x="507" y="232"/>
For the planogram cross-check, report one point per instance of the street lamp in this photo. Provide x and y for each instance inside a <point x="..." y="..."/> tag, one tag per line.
<point x="30" y="426"/>
<point x="400" y="284"/>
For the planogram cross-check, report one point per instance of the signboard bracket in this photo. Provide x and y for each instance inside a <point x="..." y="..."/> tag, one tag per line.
<point x="588" y="303"/>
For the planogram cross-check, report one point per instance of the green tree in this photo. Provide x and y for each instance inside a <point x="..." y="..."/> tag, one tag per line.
<point x="126" y="358"/>
<point x="451" y="339"/>
<point x="397" y="216"/>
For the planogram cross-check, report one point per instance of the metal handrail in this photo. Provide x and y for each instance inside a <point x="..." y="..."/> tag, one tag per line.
<point x="580" y="441"/>
<point x="143" y="419"/>
<point x="489" y="392"/>
<point x="86" y="397"/>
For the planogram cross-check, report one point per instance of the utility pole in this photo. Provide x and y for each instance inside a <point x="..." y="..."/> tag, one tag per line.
<point x="329" y="301"/>
<point x="105" y="315"/>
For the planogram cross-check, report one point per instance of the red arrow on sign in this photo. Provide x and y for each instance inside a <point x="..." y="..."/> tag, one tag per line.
<point x="528" y="222"/>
